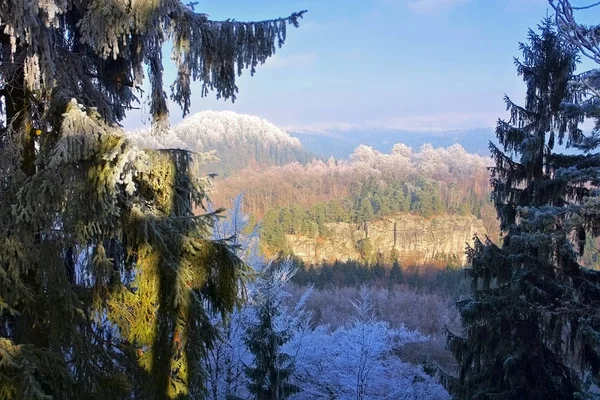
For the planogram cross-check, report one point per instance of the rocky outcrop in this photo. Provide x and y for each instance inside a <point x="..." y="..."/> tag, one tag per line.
<point x="413" y="239"/>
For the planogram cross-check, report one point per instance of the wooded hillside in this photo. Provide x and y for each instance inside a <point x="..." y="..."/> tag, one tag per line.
<point x="238" y="141"/>
<point x="297" y="199"/>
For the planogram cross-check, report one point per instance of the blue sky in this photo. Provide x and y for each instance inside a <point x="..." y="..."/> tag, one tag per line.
<point x="406" y="64"/>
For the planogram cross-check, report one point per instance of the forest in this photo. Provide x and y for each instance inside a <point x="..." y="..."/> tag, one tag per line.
<point x="290" y="192"/>
<point x="431" y="180"/>
<point x="368" y="187"/>
<point x="341" y="350"/>
<point x="128" y="270"/>
<point x="235" y="141"/>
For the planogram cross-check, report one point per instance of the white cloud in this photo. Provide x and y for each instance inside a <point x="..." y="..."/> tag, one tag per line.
<point x="321" y="128"/>
<point x="297" y="60"/>
<point x="426" y="122"/>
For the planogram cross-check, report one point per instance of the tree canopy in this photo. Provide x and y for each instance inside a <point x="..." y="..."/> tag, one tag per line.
<point x="107" y="277"/>
<point x="531" y="325"/>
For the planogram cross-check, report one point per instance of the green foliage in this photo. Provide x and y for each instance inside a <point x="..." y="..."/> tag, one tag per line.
<point x="272" y="231"/>
<point x="269" y="376"/>
<point x="366" y="250"/>
<point x="365" y="211"/>
<point x="426" y="199"/>
<point x="531" y="324"/>
<point x="396" y="274"/>
<point x="107" y="278"/>
<point x="368" y="202"/>
<point x="23" y="371"/>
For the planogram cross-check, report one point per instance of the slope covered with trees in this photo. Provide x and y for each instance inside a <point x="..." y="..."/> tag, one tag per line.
<point x="107" y="278"/>
<point x="297" y="199"/>
<point x="238" y="141"/>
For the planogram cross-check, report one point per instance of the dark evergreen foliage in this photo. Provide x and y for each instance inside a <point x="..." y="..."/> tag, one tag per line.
<point x="531" y="325"/>
<point x="396" y="275"/>
<point x="448" y="281"/>
<point x="269" y="376"/>
<point x="108" y="279"/>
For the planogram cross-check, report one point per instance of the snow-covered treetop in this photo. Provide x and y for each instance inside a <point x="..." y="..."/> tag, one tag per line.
<point x="237" y="140"/>
<point x="402" y="163"/>
<point x="208" y="130"/>
<point x="586" y="38"/>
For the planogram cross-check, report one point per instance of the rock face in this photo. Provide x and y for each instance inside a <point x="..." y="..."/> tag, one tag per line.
<point x="415" y="239"/>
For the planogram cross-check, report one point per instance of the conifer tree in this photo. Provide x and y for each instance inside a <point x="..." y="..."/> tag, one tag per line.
<point x="531" y="325"/>
<point x="396" y="274"/>
<point x="107" y="278"/>
<point x="269" y="376"/>
<point x="365" y="211"/>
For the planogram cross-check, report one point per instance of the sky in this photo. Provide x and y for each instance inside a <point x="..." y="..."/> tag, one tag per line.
<point x="401" y="64"/>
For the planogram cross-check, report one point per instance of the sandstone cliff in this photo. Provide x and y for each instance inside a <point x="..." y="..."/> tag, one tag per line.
<point x="415" y="239"/>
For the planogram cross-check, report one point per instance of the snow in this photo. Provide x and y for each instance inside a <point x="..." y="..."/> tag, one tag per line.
<point x="207" y="130"/>
<point x="355" y="361"/>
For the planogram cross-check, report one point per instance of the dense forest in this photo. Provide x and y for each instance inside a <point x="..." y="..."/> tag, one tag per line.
<point x="291" y="192"/>
<point x="297" y="199"/>
<point x="439" y="179"/>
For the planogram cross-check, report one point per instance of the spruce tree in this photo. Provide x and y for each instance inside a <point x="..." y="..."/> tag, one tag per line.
<point x="531" y="326"/>
<point x="269" y="376"/>
<point x="396" y="274"/>
<point x="107" y="278"/>
<point x="365" y="211"/>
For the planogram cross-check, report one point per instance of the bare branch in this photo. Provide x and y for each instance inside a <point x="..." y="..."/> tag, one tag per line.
<point x="587" y="39"/>
<point x="586" y="7"/>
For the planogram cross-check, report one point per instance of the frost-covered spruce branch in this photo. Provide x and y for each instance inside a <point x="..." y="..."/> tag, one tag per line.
<point x="107" y="279"/>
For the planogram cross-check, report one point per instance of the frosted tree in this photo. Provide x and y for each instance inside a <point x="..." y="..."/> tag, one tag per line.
<point x="587" y="40"/>
<point x="107" y="278"/>
<point x="269" y="376"/>
<point x="256" y="141"/>
<point x="531" y="326"/>
<point x="358" y="361"/>
<point x="230" y="356"/>
<point x="226" y="359"/>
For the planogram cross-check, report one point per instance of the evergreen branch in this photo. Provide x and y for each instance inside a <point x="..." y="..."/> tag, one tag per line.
<point x="118" y="82"/>
<point x="292" y="18"/>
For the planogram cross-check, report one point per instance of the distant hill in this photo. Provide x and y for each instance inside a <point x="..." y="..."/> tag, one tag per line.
<point x="341" y="143"/>
<point x="240" y="141"/>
